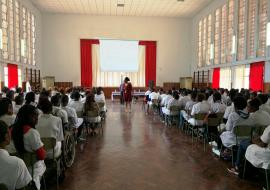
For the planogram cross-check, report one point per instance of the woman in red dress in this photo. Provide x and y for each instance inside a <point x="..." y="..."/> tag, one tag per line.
<point x="127" y="94"/>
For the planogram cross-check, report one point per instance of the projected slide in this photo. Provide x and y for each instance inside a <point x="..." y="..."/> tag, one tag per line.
<point x="119" y="55"/>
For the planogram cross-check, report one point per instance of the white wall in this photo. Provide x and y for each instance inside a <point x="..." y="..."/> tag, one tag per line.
<point x="61" y="36"/>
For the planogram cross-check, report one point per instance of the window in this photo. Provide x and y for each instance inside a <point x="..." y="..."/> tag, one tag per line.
<point x="204" y="40"/>
<point x="223" y="33"/>
<point x="6" y="76"/>
<point x="29" y="39"/>
<point x="230" y="31"/>
<point x="4" y="29"/>
<point x="17" y="31"/>
<point x="251" y="29"/>
<point x="200" y="44"/>
<point x="262" y="28"/>
<point x="241" y="77"/>
<point x="19" y="77"/>
<point x="217" y="37"/>
<point x="225" y="78"/>
<point x="11" y="29"/>
<point x="33" y="32"/>
<point x="209" y="40"/>
<point x="241" y="30"/>
<point x="24" y="36"/>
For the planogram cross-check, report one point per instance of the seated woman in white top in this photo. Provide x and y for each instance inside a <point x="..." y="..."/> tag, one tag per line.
<point x="100" y="97"/>
<point x="57" y="110"/>
<point x="258" y="154"/>
<point x="18" y="104"/>
<point x="230" y="108"/>
<point x="189" y="105"/>
<point x="71" y="112"/>
<point x="217" y="106"/>
<point x="172" y="102"/>
<point x="264" y="98"/>
<point x="200" y="107"/>
<point x="6" y="111"/>
<point x="14" y="174"/>
<point x="184" y="98"/>
<point x="76" y="103"/>
<point x="240" y="114"/>
<point x="50" y="126"/>
<point x="167" y="98"/>
<point x="27" y="139"/>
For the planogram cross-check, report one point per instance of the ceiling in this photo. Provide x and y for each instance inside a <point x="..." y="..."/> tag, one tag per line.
<point x="156" y="8"/>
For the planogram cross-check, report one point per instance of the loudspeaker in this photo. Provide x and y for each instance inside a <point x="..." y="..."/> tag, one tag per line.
<point x="151" y="84"/>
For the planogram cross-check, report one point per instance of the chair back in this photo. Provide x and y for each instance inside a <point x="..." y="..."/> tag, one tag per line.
<point x="154" y="101"/>
<point x="49" y="143"/>
<point x="92" y="113"/>
<point x="3" y="186"/>
<point x="101" y="104"/>
<point x="174" y="108"/>
<point x="79" y="114"/>
<point x="200" y="116"/>
<point x="242" y="132"/>
<point x="214" y="119"/>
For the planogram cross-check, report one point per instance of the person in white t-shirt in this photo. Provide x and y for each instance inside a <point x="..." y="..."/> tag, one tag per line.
<point x="258" y="154"/>
<point x="57" y="110"/>
<point x="217" y="106"/>
<point x="27" y="139"/>
<point x="201" y="106"/>
<point x="265" y="107"/>
<point x="50" y="126"/>
<point x="74" y="121"/>
<point x="18" y="104"/>
<point x="13" y="173"/>
<point x="6" y="111"/>
<point x="77" y="104"/>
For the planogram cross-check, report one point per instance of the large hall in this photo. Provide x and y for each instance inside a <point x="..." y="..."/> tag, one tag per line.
<point x="134" y="94"/>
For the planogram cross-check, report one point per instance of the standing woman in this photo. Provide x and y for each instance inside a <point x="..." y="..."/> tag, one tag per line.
<point x="127" y="94"/>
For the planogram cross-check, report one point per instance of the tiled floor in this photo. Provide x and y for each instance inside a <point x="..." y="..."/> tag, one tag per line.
<point x="139" y="152"/>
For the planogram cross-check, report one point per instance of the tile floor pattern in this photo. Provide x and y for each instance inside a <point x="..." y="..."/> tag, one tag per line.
<point x="138" y="152"/>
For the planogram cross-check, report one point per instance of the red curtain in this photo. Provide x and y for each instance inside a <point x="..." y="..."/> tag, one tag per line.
<point x="216" y="78"/>
<point x="86" y="61"/>
<point x="150" y="60"/>
<point x="256" y="76"/>
<point x="12" y="75"/>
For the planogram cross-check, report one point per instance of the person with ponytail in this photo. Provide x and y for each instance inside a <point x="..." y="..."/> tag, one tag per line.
<point x="27" y="139"/>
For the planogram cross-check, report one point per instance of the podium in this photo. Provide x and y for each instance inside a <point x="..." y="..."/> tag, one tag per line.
<point x="48" y="82"/>
<point x="186" y="82"/>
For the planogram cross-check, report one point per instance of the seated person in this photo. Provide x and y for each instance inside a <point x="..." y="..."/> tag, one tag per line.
<point x="50" y="126"/>
<point x="71" y="112"/>
<point x="77" y="104"/>
<point x="99" y="97"/>
<point x="201" y="106"/>
<point x="14" y="174"/>
<point x="229" y="109"/>
<point x="30" y="98"/>
<point x="217" y="106"/>
<point x="90" y="106"/>
<point x="27" y="139"/>
<point x="153" y="96"/>
<point x="258" y="117"/>
<point x="184" y="115"/>
<point x="265" y="107"/>
<point x="184" y="98"/>
<point x="6" y="111"/>
<point x="166" y="99"/>
<point x="258" y="154"/>
<point x="240" y="114"/>
<point x="172" y="102"/>
<point x="18" y="104"/>
<point x="57" y="110"/>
